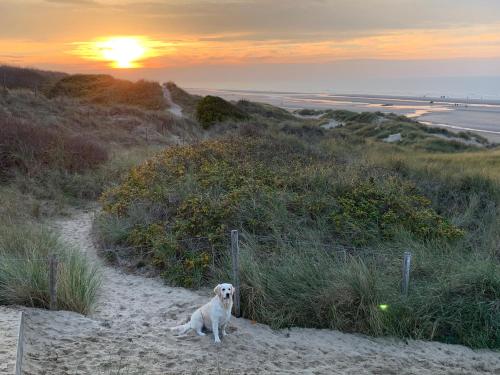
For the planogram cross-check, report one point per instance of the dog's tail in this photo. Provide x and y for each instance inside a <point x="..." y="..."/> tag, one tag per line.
<point x="182" y="329"/>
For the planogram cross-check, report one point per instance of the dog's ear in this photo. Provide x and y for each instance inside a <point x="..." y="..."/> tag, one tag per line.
<point x="233" y="289"/>
<point x="217" y="289"/>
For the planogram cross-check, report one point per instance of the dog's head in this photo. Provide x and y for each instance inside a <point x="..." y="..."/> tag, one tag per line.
<point x="224" y="292"/>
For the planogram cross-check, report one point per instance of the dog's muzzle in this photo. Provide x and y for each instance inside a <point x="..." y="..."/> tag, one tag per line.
<point x="227" y="296"/>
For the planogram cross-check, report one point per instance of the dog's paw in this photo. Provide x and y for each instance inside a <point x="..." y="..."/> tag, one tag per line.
<point x="217" y="341"/>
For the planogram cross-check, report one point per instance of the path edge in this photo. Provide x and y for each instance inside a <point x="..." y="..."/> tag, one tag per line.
<point x="20" y="345"/>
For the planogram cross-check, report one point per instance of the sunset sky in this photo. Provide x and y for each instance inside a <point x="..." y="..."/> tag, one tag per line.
<point x="280" y="44"/>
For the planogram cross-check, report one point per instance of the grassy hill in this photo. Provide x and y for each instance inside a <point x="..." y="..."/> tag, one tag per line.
<point x="379" y="126"/>
<point x="104" y="89"/>
<point x="325" y="213"/>
<point x="324" y="220"/>
<point x="188" y="102"/>
<point x="24" y="78"/>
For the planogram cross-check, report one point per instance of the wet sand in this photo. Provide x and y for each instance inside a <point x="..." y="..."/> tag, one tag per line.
<point x="481" y="116"/>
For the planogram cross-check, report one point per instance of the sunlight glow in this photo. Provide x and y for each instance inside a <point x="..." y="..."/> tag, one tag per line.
<point x="122" y="52"/>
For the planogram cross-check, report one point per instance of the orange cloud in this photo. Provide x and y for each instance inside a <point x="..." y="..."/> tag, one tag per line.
<point x="162" y="51"/>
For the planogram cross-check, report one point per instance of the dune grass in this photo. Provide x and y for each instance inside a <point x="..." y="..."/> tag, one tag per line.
<point x="106" y="90"/>
<point x="325" y="221"/>
<point x="24" y="270"/>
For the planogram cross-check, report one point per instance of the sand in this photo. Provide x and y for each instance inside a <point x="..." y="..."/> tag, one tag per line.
<point x="173" y="108"/>
<point x="128" y="334"/>
<point x="10" y="318"/>
<point x="456" y="115"/>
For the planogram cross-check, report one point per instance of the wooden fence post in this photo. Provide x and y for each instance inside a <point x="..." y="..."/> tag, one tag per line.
<point x="53" y="281"/>
<point x="406" y="273"/>
<point x="235" y="255"/>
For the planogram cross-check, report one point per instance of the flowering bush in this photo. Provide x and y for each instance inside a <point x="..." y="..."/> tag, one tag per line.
<point x="195" y="194"/>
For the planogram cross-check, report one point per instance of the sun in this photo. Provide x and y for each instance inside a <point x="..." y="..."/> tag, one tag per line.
<point x="122" y="52"/>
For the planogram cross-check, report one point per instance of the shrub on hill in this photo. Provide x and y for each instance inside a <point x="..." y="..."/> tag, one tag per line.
<point x="378" y="126"/>
<point x="219" y="180"/>
<point x="106" y="90"/>
<point x="213" y="109"/>
<point x="323" y="225"/>
<point x="264" y="110"/>
<point x="34" y="149"/>
<point x="25" y="78"/>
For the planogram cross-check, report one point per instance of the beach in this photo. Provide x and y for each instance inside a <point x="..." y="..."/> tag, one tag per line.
<point x="455" y="114"/>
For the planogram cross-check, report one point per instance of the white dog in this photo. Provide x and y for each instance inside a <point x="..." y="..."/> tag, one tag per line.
<point x="212" y="315"/>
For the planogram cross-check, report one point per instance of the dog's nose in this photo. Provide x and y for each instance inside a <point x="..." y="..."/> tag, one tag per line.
<point x="227" y="295"/>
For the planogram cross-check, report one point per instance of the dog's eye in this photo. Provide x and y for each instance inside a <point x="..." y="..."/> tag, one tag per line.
<point x="223" y="289"/>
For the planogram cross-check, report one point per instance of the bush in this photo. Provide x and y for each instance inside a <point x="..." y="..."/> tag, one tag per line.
<point x="324" y="223"/>
<point x="212" y="109"/>
<point x="24" y="251"/>
<point x="371" y="212"/>
<point x="33" y="149"/>
<point x="201" y="191"/>
<point x="265" y="111"/>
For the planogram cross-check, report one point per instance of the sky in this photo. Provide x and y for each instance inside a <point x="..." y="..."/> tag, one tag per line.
<point x="302" y="45"/>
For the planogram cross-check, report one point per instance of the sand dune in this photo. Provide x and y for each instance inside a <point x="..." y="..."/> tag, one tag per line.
<point x="128" y="334"/>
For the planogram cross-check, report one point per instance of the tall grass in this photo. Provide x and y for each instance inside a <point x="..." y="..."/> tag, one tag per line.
<point x="453" y="297"/>
<point x="307" y="286"/>
<point x="300" y="202"/>
<point x="24" y="252"/>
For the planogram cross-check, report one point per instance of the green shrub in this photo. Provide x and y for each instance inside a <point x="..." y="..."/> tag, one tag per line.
<point x="201" y="191"/>
<point x="266" y="111"/>
<point x="324" y="223"/>
<point x="213" y="109"/>
<point x="371" y="212"/>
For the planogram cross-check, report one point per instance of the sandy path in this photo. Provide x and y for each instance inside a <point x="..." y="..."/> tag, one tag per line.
<point x="127" y="334"/>
<point x="174" y="108"/>
<point x="9" y="333"/>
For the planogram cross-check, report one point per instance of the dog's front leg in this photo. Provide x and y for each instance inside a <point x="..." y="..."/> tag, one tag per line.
<point x="215" y="330"/>
<point x="223" y="329"/>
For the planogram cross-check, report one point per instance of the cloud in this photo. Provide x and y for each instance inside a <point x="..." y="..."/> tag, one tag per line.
<point x="73" y="2"/>
<point x="314" y="16"/>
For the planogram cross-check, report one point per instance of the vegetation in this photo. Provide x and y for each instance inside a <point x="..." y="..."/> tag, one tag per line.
<point x="325" y="222"/>
<point x="212" y="109"/>
<point x="310" y="112"/>
<point x="187" y="101"/>
<point x="264" y="111"/>
<point x="22" y="78"/>
<point x="324" y="214"/>
<point x="58" y="153"/>
<point x="33" y="149"/>
<point x="24" y="251"/>
<point x="378" y="126"/>
<point x="106" y="90"/>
